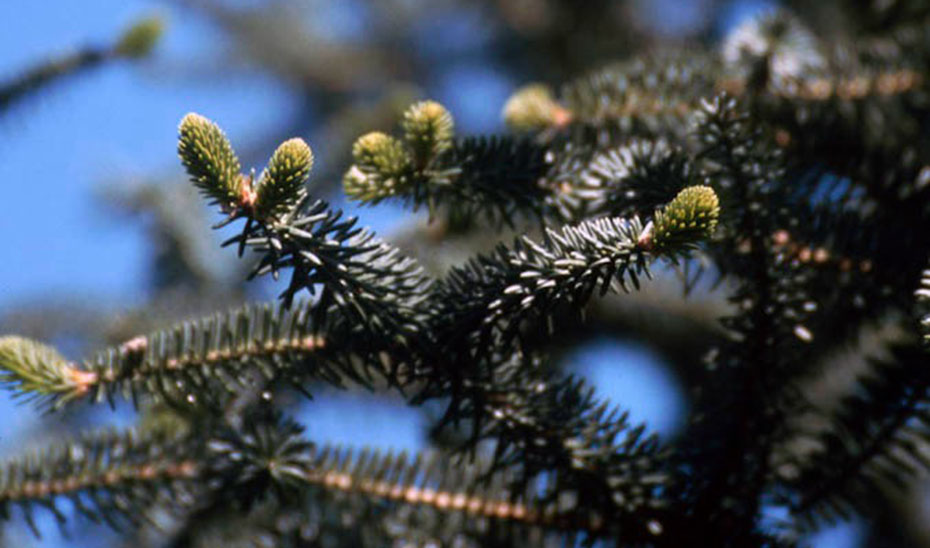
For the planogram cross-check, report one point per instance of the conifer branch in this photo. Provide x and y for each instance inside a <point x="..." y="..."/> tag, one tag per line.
<point x="200" y="361"/>
<point x="771" y="60"/>
<point x="197" y="361"/>
<point x="136" y="42"/>
<point x="117" y="477"/>
<point x="877" y="439"/>
<point x="448" y="486"/>
<point x="498" y="291"/>
<point x="803" y="166"/>
<point x="498" y="178"/>
<point x="749" y="378"/>
<point x="111" y="476"/>
<point x="366" y="278"/>
<point x="638" y="176"/>
<point x="650" y="97"/>
<point x="546" y="425"/>
<point x="32" y="368"/>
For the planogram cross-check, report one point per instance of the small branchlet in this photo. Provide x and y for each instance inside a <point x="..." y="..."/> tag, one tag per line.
<point x="771" y="48"/>
<point x="224" y="351"/>
<point x="533" y="108"/>
<point x="530" y="279"/>
<point x="211" y="161"/>
<point x="386" y="167"/>
<point x="110" y="475"/>
<point x="689" y="218"/>
<point x="367" y="279"/>
<point x="140" y="38"/>
<point x="638" y="176"/>
<point x="32" y="367"/>
<point x="497" y="178"/>
<point x="136" y="42"/>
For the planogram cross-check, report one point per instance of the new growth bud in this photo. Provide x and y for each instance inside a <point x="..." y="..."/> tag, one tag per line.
<point x="382" y="168"/>
<point x="210" y="160"/>
<point x="140" y="38"/>
<point x="533" y="107"/>
<point x="283" y="180"/>
<point x="428" y="130"/>
<point x="35" y="367"/>
<point x="689" y="218"/>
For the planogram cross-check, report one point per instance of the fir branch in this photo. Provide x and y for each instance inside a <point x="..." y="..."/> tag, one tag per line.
<point x="118" y="476"/>
<point x="546" y="425"/>
<point x="502" y="179"/>
<point x="877" y="438"/>
<point x="194" y="362"/>
<point x="498" y="178"/>
<point x="649" y="97"/>
<point x="638" y="176"/>
<point x="810" y="255"/>
<point x="368" y="279"/>
<point x="450" y="486"/>
<point x="137" y="41"/>
<point x="771" y="60"/>
<point x="111" y="476"/>
<point x="531" y="279"/>
<point x="44" y="75"/>
<point x="267" y="461"/>
<point x="367" y="485"/>
<point x="876" y="442"/>
<point x="742" y="404"/>
<point x="370" y="282"/>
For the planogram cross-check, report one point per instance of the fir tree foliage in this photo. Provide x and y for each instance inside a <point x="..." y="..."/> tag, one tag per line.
<point x="786" y="168"/>
<point x="498" y="178"/>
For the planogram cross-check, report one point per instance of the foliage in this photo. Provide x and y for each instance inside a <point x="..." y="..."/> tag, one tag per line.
<point x="785" y="169"/>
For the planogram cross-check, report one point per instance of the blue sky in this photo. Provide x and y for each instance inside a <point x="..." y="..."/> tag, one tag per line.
<point x="117" y="125"/>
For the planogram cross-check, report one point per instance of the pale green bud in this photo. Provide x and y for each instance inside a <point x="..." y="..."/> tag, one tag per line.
<point x="382" y="168"/>
<point x="689" y="218"/>
<point x="140" y="38"/>
<point x="210" y="160"/>
<point x="428" y="130"/>
<point x="282" y="181"/>
<point x="533" y="107"/>
<point x="30" y="366"/>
